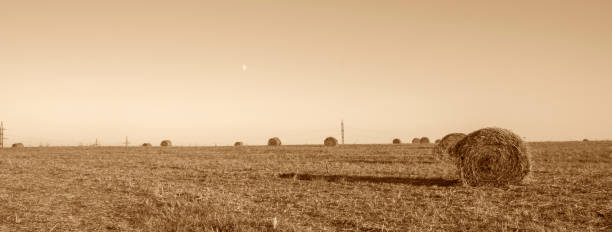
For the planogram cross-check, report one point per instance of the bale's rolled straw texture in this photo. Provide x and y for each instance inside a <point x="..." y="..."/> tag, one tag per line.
<point x="166" y="143"/>
<point x="491" y="157"/>
<point x="238" y="144"/>
<point x="274" y="141"/>
<point x="416" y="140"/>
<point x="330" y="141"/>
<point x="147" y="145"/>
<point x="397" y="141"/>
<point x="424" y="140"/>
<point x="448" y="141"/>
<point x="17" y="145"/>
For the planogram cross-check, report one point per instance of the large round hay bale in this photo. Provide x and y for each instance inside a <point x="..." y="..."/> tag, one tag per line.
<point x="274" y="141"/>
<point x="448" y="141"/>
<point x="416" y="140"/>
<point x="17" y="145"/>
<point x="166" y="143"/>
<point x="147" y="145"/>
<point x="437" y="141"/>
<point x="492" y="157"/>
<point x="330" y="141"/>
<point x="238" y="144"/>
<point x="397" y="141"/>
<point x="424" y="140"/>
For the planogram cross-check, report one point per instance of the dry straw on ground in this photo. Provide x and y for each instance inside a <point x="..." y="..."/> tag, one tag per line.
<point x="416" y="140"/>
<point x="238" y="144"/>
<point x="274" y="141"/>
<point x="17" y="145"/>
<point x="397" y="141"/>
<point x="448" y="141"/>
<point x="147" y="145"/>
<point x="308" y="188"/>
<point x="492" y="157"/>
<point x="166" y="143"/>
<point x="424" y="140"/>
<point x="330" y="141"/>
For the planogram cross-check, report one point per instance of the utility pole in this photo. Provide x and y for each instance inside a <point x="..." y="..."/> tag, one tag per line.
<point x="342" y="130"/>
<point x="2" y="134"/>
<point x="127" y="142"/>
<point x="96" y="144"/>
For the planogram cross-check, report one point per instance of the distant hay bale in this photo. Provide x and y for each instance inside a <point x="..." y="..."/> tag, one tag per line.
<point x="166" y="143"/>
<point x="238" y="144"/>
<point x="416" y="140"/>
<point x="330" y="141"/>
<point x="448" y="141"/>
<point x="437" y="141"/>
<point x="274" y="141"/>
<point x="492" y="157"/>
<point x="585" y="140"/>
<point x="424" y="140"/>
<point x="17" y="145"/>
<point x="147" y="145"/>
<point x="397" y="141"/>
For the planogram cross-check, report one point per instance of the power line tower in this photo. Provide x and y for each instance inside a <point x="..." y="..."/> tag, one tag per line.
<point x="127" y="142"/>
<point x="97" y="144"/>
<point x="342" y="130"/>
<point x="2" y="129"/>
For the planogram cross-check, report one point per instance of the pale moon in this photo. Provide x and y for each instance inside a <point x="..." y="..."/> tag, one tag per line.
<point x="244" y="67"/>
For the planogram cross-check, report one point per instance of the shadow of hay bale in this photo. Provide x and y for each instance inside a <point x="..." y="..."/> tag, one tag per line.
<point x="372" y="179"/>
<point x="389" y="161"/>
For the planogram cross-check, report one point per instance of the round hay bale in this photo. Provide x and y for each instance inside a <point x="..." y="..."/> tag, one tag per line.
<point x="330" y="141"/>
<point x="448" y="141"/>
<point x="147" y="145"/>
<point x="585" y="140"/>
<point x="238" y="144"/>
<point x="492" y="157"/>
<point x="424" y="140"/>
<point x="17" y="145"/>
<point x="166" y="143"/>
<point x="274" y="141"/>
<point x="397" y="141"/>
<point x="416" y="140"/>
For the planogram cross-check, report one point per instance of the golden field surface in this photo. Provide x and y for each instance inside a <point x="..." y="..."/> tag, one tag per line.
<point x="296" y="188"/>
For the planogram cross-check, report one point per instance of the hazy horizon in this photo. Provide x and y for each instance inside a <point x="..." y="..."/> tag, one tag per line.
<point x="205" y="73"/>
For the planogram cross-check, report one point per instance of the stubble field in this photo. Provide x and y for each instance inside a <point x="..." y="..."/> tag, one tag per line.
<point x="296" y="188"/>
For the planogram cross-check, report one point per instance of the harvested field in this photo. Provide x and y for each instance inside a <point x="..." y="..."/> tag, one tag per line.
<point x="305" y="188"/>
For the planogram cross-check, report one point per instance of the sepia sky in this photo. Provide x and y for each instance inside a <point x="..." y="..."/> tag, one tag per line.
<point x="215" y="72"/>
